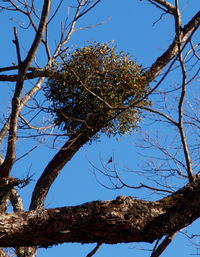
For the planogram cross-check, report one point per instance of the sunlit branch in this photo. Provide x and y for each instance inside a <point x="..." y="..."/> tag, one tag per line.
<point x="29" y="125"/>
<point x="16" y="201"/>
<point x="180" y="126"/>
<point x="172" y="51"/>
<point x="30" y="75"/>
<point x="71" y="30"/>
<point x="87" y="27"/>
<point x="16" y="7"/>
<point x="63" y="42"/>
<point x="169" y="7"/>
<point x="5" y="168"/>
<point x="23" y="102"/>
<point x="193" y="49"/>
<point x="15" y="67"/>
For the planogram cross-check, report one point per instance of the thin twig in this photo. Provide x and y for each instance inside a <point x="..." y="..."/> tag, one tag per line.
<point x="181" y="101"/>
<point x="16" y="42"/>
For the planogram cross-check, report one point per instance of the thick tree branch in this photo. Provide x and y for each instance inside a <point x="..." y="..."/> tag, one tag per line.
<point x="16" y="67"/>
<point x="10" y="153"/>
<point x="66" y="153"/>
<point x="115" y="221"/>
<point x="30" y="75"/>
<point x="172" y="51"/>
<point x="55" y="166"/>
<point x="17" y="204"/>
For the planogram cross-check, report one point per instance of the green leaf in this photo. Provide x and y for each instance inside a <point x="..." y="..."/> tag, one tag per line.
<point x="96" y="87"/>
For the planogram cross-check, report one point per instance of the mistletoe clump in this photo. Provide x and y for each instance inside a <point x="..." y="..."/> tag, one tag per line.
<point x="95" y="87"/>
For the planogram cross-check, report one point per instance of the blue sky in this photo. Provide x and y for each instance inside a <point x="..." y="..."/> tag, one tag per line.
<point x="131" y="27"/>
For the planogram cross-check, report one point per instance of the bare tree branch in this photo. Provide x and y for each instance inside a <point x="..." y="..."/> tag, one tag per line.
<point x="38" y="37"/>
<point x="160" y="249"/>
<point x="10" y="154"/>
<point x="94" y="250"/>
<point x="170" y="8"/>
<point x="23" y="102"/>
<point x="172" y="51"/>
<point x="17" y="46"/>
<point x="16" y="201"/>
<point x="69" y="149"/>
<point x="71" y="30"/>
<point x="180" y="123"/>
<point x="114" y="221"/>
<point x="30" y="75"/>
<point x="54" y="167"/>
<point x="122" y="220"/>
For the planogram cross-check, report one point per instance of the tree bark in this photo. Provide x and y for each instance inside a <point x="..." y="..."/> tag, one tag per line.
<point x="115" y="221"/>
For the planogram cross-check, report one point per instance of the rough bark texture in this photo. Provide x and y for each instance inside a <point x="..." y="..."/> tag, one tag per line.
<point x="115" y="221"/>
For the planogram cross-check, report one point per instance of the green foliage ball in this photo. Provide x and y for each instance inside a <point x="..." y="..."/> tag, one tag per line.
<point x="96" y="87"/>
